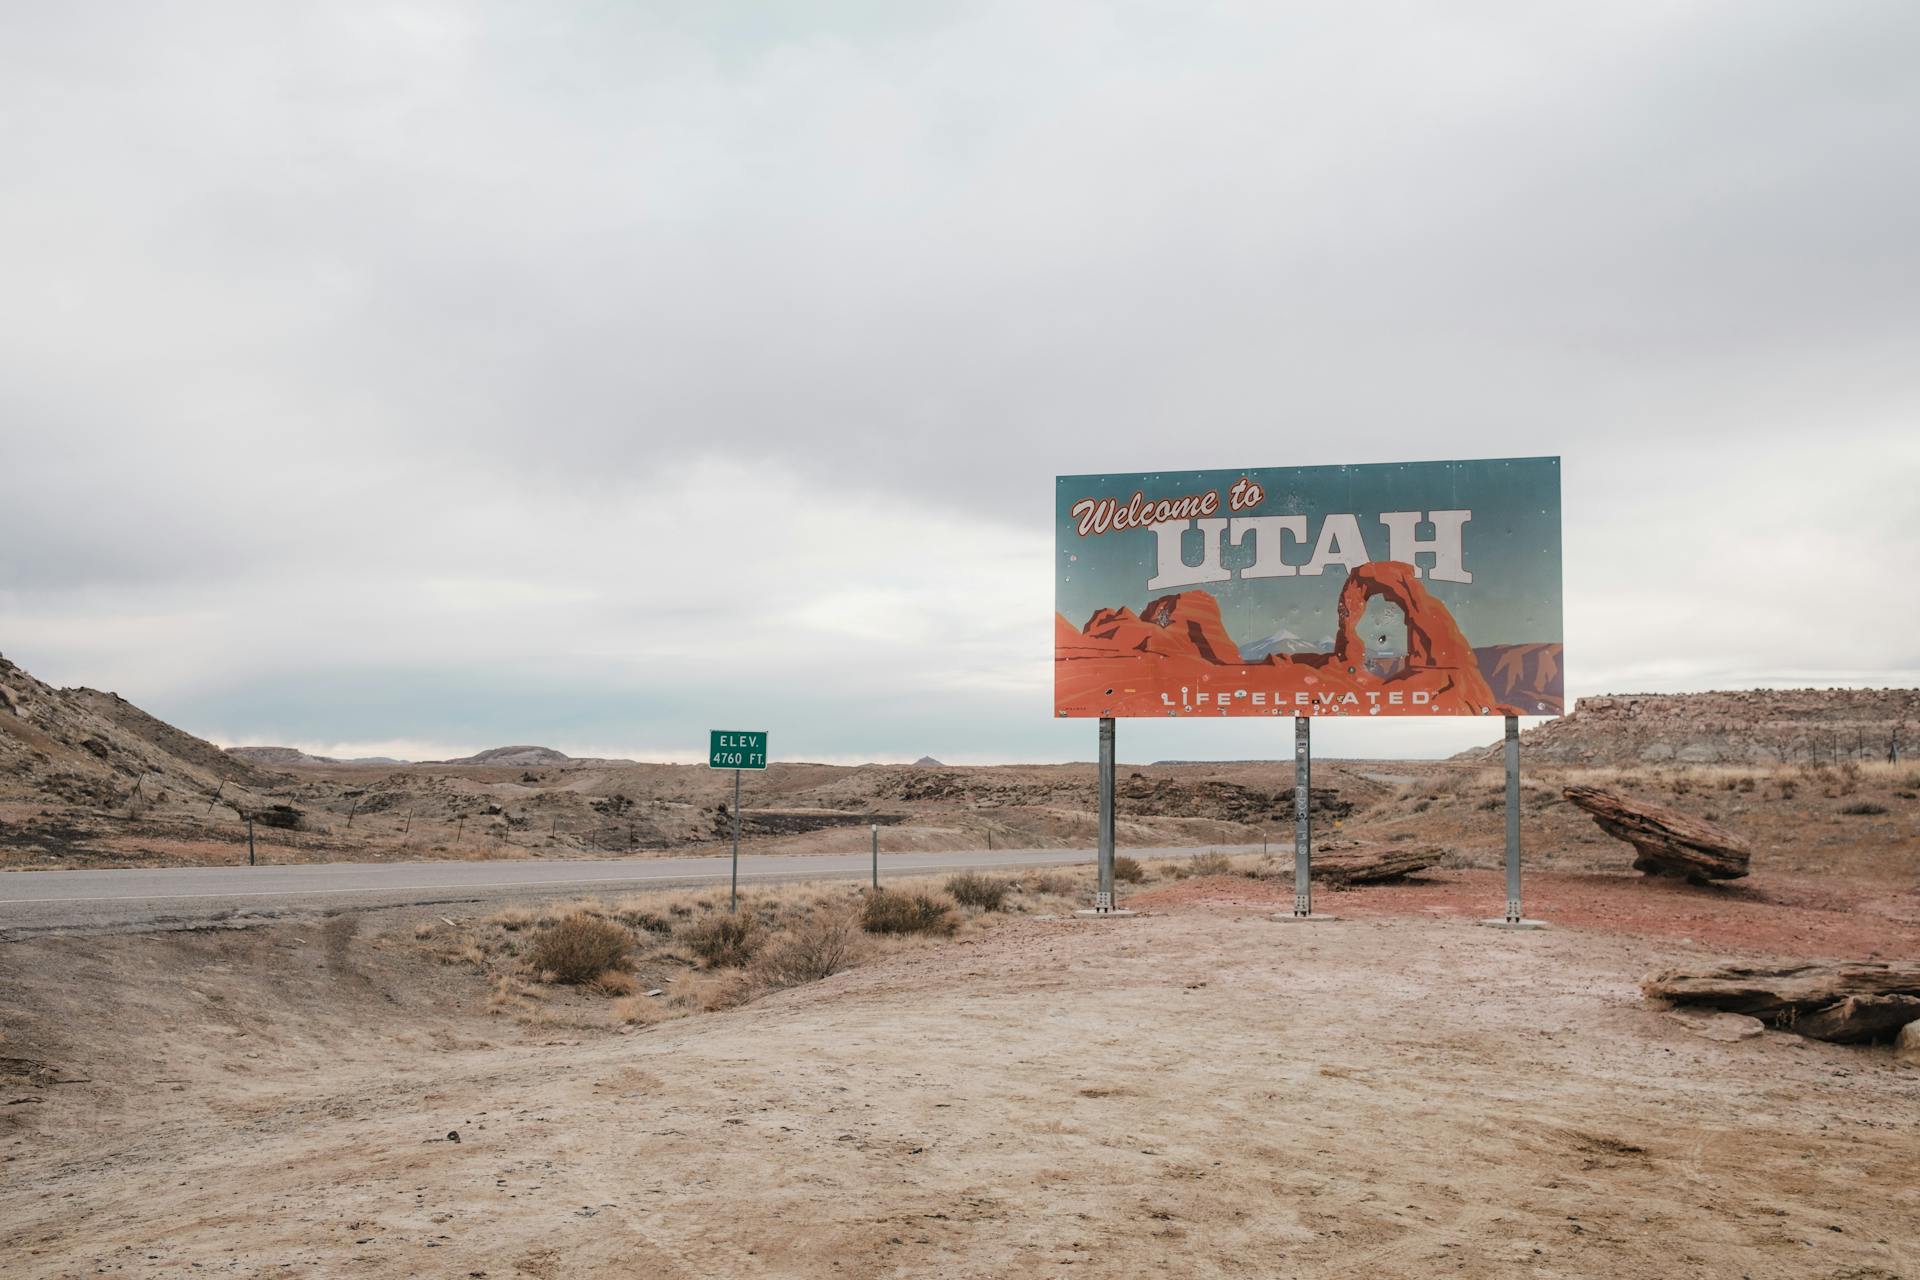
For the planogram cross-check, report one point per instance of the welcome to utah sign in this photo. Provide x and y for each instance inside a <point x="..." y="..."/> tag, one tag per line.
<point x="1419" y="588"/>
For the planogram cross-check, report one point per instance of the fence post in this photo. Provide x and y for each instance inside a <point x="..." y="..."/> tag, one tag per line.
<point x="249" y="840"/>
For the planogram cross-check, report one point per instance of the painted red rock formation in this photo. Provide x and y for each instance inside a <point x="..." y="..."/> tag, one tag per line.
<point x="1186" y="625"/>
<point x="1176" y="658"/>
<point x="1525" y="675"/>
<point x="1434" y="639"/>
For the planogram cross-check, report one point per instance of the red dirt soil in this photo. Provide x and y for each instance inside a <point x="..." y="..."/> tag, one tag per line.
<point x="1787" y="916"/>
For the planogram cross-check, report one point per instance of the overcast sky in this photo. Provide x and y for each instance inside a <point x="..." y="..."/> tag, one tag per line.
<point x="421" y="378"/>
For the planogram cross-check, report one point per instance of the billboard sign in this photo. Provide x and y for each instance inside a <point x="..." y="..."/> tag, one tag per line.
<point x="1393" y="589"/>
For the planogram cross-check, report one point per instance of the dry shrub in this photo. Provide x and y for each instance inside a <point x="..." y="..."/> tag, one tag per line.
<point x="1210" y="864"/>
<point x="1128" y="870"/>
<point x="887" y="912"/>
<point x="1863" y="809"/>
<point x="973" y="890"/>
<point x="579" y="949"/>
<point x="723" y="941"/>
<point x="816" y="948"/>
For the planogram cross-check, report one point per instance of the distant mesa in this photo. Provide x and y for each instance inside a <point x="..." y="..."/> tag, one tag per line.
<point x="1755" y="727"/>
<point x="928" y="762"/>
<point x="1175" y="656"/>
<point x="282" y="756"/>
<point x="515" y="757"/>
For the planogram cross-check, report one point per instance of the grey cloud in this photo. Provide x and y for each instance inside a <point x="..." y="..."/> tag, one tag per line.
<point x="298" y="294"/>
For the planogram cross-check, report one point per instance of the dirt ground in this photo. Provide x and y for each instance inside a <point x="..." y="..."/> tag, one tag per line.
<point x="1199" y="1091"/>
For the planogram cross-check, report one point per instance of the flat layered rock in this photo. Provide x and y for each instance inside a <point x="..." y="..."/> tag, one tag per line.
<point x="1667" y="842"/>
<point x="1845" y="1003"/>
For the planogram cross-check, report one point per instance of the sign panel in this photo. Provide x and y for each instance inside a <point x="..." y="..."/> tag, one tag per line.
<point x="736" y="749"/>
<point x="1395" y="589"/>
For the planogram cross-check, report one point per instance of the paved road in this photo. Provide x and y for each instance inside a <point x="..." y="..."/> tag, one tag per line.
<point x="111" y="901"/>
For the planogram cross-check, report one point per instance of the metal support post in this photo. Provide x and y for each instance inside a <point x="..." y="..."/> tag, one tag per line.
<point x="734" y="901"/>
<point x="1303" y="824"/>
<point x="876" y="855"/>
<point x="1514" y="919"/>
<point x="1103" y="897"/>
<point x="249" y="841"/>
<point x="1513" y="819"/>
<point x="1103" y="904"/>
<point x="1302" y="817"/>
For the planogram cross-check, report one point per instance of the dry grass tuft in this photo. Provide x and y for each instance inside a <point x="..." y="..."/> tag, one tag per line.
<point x="1128" y="870"/>
<point x="1209" y="864"/>
<point x="711" y="992"/>
<point x="513" y="919"/>
<point x="898" y="913"/>
<point x="615" y="983"/>
<point x="579" y="949"/>
<point x="1050" y="884"/>
<point x="971" y="889"/>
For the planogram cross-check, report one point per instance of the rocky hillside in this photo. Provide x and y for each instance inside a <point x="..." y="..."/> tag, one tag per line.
<point x="86" y="747"/>
<point x="1760" y="726"/>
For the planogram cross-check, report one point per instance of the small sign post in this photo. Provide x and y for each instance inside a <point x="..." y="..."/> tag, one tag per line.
<point x="736" y="749"/>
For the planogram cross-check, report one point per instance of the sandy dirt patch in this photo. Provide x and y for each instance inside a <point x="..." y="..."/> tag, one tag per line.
<point x="1198" y="1091"/>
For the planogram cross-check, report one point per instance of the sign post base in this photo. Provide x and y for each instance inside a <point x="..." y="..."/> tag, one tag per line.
<point x="1103" y="908"/>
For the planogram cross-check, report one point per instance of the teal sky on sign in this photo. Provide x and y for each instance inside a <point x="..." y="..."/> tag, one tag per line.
<point x="1511" y="546"/>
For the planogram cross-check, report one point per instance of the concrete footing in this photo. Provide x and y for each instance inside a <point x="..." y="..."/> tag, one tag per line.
<point x="1316" y="918"/>
<point x="1117" y="914"/>
<point x="1513" y="924"/>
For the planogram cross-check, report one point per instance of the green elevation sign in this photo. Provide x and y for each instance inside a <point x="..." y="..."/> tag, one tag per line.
<point x="737" y="749"/>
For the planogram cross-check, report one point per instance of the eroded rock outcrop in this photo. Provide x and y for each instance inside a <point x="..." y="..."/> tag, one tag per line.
<point x="1841" y="1002"/>
<point x="1359" y="863"/>
<point x="1668" y="842"/>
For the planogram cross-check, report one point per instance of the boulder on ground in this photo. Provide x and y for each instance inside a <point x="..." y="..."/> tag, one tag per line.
<point x="1668" y="842"/>
<point x="1846" y="1003"/>
<point x="1906" y="1045"/>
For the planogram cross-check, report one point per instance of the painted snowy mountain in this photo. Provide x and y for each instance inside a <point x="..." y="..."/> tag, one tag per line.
<point x="1284" y="642"/>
